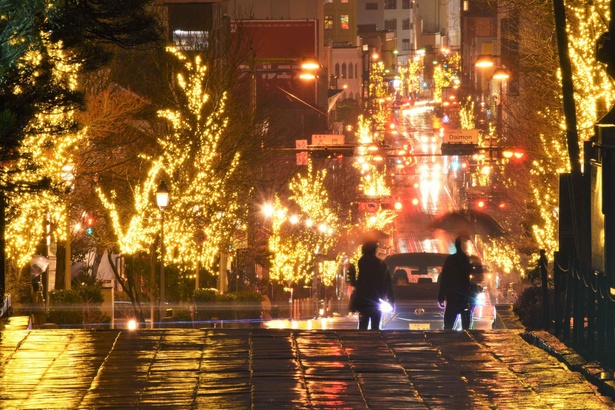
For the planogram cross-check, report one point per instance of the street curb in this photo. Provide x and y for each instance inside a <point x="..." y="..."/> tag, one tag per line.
<point x="592" y="371"/>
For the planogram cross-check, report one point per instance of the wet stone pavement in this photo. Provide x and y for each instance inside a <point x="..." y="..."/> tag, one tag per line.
<point x="279" y="369"/>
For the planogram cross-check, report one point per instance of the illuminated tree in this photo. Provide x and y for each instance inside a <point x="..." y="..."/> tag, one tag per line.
<point x="39" y="61"/>
<point x="303" y="229"/>
<point x="50" y="141"/>
<point x="535" y="118"/>
<point x="197" y="173"/>
<point x="411" y="77"/>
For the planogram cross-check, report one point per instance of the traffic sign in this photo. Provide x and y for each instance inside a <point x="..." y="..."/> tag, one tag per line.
<point x="327" y="139"/>
<point x="460" y="137"/>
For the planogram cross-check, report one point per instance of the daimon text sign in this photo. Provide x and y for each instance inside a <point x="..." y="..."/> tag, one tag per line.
<point x="460" y="137"/>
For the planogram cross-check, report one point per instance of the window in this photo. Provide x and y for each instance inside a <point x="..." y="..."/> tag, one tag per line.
<point x="191" y="40"/>
<point x="350" y="70"/>
<point x="337" y="70"/>
<point x="328" y="22"/>
<point x="343" y="1"/>
<point x="405" y="24"/>
<point x="390" y="25"/>
<point x="371" y="6"/>
<point x="344" y="22"/>
<point x="405" y="4"/>
<point x="405" y="44"/>
<point x="344" y="71"/>
<point x="390" y="4"/>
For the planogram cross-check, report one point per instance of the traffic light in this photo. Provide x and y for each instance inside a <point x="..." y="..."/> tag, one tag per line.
<point x="458" y="149"/>
<point x="333" y="151"/>
<point x="89" y="224"/>
<point x="480" y="204"/>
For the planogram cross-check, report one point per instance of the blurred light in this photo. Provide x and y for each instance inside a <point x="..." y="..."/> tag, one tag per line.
<point x="483" y="61"/>
<point x="132" y="324"/>
<point x="501" y="74"/>
<point x="310" y="65"/>
<point x="480" y="300"/>
<point x="385" y="307"/>
<point x="267" y="210"/>
<point x="415" y="201"/>
<point x="480" y="203"/>
<point x="398" y="206"/>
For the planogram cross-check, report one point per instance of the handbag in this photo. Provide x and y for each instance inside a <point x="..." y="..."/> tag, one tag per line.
<point x="352" y="302"/>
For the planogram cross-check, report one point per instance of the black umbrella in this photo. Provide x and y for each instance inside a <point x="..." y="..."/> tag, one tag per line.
<point x="469" y="221"/>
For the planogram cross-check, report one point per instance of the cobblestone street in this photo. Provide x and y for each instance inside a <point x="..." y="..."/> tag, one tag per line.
<point x="272" y="369"/>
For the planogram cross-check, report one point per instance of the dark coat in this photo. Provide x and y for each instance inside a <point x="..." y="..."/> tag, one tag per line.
<point x="374" y="283"/>
<point x="455" y="279"/>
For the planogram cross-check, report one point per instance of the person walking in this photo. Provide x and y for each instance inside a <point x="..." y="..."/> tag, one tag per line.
<point x="374" y="285"/>
<point x="455" y="287"/>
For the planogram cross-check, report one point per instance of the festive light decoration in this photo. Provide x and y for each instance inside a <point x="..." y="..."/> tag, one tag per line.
<point x="48" y="149"/>
<point x="467" y="117"/>
<point x="410" y="76"/>
<point x="298" y="240"/>
<point x="202" y="203"/>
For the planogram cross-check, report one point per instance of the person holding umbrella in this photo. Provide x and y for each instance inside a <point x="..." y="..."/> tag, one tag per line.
<point x="455" y="287"/>
<point x="373" y="287"/>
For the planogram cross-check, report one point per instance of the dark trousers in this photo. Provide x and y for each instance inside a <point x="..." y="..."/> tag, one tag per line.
<point x="373" y="315"/>
<point x="451" y="312"/>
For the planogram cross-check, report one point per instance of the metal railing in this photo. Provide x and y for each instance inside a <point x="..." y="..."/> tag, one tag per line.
<point x="584" y="315"/>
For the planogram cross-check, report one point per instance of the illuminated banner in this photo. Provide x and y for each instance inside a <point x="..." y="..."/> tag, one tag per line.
<point x="460" y="137"/>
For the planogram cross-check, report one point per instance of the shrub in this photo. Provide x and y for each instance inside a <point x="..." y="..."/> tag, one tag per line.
<point x="230" y="306"/>
<point x="249" y="304"/>
<point x="529" y="308"/>
<point x="65" y="307"/>
<point x="77" y="307"/>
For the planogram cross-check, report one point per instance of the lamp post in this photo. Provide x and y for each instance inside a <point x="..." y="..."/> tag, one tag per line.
<point x="482" y="62"/>
<point x="68" y="176"/>
<point x="162" y="200"/>
<point x="500" y="75"/>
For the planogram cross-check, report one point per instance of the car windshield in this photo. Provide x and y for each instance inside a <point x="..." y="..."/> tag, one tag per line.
<point x="415" y="275"/>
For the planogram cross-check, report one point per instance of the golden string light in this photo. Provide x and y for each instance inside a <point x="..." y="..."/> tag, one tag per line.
<point x="49" y="150"/>
<point x="299" y="238"/>
<point x="203" y="204"/>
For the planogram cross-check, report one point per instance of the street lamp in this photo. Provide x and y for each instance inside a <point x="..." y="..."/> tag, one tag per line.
<point x="500" y="75"/>
<point x="68" y="176"/>
<point x="483" y="62"/>
<point x="162" y="200"/>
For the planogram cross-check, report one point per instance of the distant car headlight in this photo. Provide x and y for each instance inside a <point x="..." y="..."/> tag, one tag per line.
<point x="385" y="307"/>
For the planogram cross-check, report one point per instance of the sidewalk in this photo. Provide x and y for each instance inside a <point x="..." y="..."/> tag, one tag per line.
<point x="277" y="369"/>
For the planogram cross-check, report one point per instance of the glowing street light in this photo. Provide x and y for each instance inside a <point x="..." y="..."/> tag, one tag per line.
<point x="162" y="200"/>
